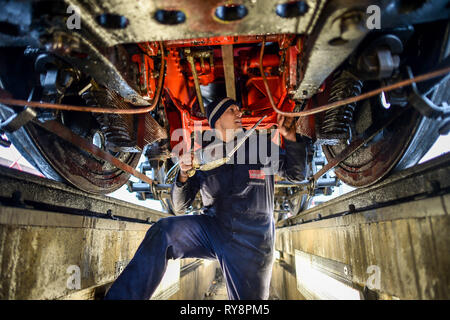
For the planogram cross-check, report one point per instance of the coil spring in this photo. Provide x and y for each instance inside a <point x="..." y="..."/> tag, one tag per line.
<point x="336" y="122"/>
<point x="113" y="126"/>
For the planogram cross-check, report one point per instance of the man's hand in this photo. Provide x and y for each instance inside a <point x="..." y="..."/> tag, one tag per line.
<point x="185" y="163"/>
<point x="286" y="127"/>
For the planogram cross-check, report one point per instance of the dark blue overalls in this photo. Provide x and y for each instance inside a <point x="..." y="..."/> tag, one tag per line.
<point x="237" y="227"/>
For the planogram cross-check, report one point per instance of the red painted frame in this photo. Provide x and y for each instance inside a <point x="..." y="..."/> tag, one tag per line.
<point x="180" y="97"/>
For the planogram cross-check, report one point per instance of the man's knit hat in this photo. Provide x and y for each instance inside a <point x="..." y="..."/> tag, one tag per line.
<point x="216" y="108"/>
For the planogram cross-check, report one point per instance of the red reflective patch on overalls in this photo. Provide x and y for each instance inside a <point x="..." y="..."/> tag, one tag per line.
<point x="256" y="174"/>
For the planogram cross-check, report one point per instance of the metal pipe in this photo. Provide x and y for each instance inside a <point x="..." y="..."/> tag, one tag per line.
<point x="139" y="187"/>
<point x="46" y="105"/>
<point x="343" y="102"/>
<point x="320" y="183"/>
<point x="400" y="84"/>
<point x="270" y="60"/>
<point x="190" y="59"/>
<point x="220" y="40"/>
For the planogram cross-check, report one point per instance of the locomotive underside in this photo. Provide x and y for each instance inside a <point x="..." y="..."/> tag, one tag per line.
<point x="178" y="56"/>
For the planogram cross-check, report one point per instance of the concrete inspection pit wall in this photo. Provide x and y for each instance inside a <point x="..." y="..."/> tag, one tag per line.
<point x="388" y="241"/>
<point x="47" y="255"/>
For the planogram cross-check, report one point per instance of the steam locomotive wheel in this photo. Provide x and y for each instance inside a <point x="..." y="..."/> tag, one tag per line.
<point x="55" y="158"/>
<point x="60" y="160"/>
<point x="400" y="145"/>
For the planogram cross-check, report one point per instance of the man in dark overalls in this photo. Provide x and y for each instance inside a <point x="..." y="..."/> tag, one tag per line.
<point x="237" y="227"/>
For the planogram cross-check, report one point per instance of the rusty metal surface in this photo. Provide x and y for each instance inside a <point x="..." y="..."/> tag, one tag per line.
<point x="331" y="44"/>
<point x="111" y="67"/>
<point x="341" y="28"/>
<point x="200" y="19"/>
<point x="378" y="158"/>
<point x="431" y="177"/>
<point x="354" y="146"/>
<point x="118" y="129"/>
<point x="153" y="131"/>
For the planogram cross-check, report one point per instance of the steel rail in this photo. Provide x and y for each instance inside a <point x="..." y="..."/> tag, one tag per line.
<point x="428" y="179"/>
<point x="25" y="190"/>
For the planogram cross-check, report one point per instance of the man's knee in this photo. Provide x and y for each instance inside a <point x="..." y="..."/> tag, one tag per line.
<point x="157" y="232"/>
<point x="168" y="230"/>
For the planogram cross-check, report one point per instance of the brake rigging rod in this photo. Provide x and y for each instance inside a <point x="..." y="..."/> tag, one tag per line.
<point x="65" y="133"/>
